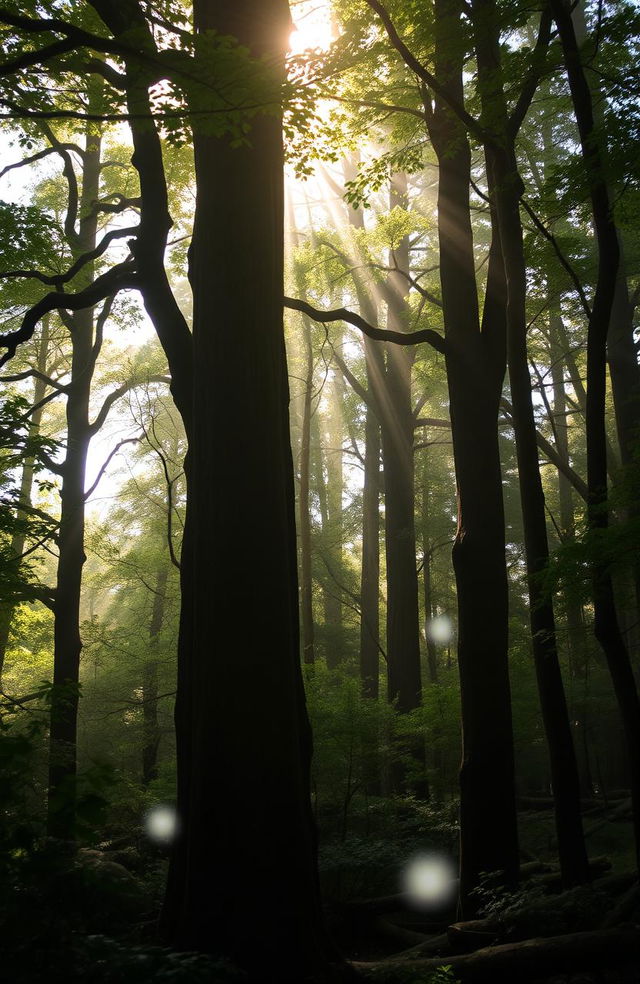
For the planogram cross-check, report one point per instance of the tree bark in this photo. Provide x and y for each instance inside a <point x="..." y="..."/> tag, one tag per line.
<point x="506" y="187"/>
<point x="71" y="557"/>
<point x="370" y="569"/>
<point x="150" y="728"/>
<point x="243" y="735"/>
<point x="403" y="629"/>
<point x="306" y="582"/>
<point x="606" y="627"/>
<point x="475" y="372"/>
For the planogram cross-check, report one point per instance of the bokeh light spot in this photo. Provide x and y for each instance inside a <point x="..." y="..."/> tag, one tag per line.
<point x="430" y="880"/>
<point x="440" y="629"/>
<point x="161" y="824"/>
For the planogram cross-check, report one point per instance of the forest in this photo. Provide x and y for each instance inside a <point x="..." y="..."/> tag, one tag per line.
<point x="320" y="491"/>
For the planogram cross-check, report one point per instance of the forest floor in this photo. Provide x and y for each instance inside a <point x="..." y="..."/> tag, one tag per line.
<point x="91" y="917"/>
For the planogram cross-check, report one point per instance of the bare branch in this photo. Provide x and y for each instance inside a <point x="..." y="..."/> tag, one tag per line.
<point x="541" y="227"/>
<point x="120" y="392"/>
<point x="107" y="462"/>
<point x="120" y="277"/>
<point x="35" y="374"/>
<point x="378" y="334"/>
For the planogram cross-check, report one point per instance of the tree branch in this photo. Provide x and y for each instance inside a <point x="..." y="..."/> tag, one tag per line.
<point x="378" y="334"/>
<point x="107" y="462"/>
<point x="425" y="75"/>
<point x="117" y="394"/>
<point x="120" y="277"/>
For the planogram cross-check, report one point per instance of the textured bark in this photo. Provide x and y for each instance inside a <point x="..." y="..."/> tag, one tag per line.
<point x="506" y="188"/>
<point x="243" y="736"/>
<point x="475" y="372"/>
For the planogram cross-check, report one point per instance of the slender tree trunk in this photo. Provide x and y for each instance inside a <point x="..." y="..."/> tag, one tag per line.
<point x="432" y="655"/>
<point x="404" y="684"/>
<point x="506" y="187"/>
<point x="306" y="586"/>
<point x="26" y="485"/>
<point x="607" y="630"/>
<point x="403" y="628"/>
<point x="150" y="728"/>
<point x="244" y="741"/>
<point x="71" y="556"/>
<point x="333" y="548"/>
<point x="475" y="372"/>
<point x="370" y="569"/>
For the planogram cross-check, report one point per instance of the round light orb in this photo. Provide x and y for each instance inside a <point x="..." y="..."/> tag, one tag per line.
<point x="440" y="629"/>
<point x="430" y="880"/>
<point x="161" y="824"/>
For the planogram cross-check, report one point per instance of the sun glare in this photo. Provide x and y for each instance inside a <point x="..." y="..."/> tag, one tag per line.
<point x="312" y="28"/>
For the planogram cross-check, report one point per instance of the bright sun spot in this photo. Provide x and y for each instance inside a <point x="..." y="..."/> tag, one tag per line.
<point x="161" y="824"/>
<point x="311" y="28"/>
<point x="429" y="879"/>
<point x="440" y="629"/>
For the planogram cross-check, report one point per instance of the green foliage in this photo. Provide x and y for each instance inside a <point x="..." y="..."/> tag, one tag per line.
<point x="399" y="974"/>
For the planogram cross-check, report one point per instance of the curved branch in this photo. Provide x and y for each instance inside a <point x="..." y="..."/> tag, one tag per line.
<point x="57" y="280"/>
<point x="117" y="394"/>
<point x="107" y="462"/>
<point x="548" y="235"/>
<point x="378" y="334"/>
<point x="120" y="277"/>
<point x="425" y="75"/>
<point x="39" y="156"/>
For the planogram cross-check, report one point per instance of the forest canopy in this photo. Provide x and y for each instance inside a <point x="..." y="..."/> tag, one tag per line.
<point x="319" y="467"/>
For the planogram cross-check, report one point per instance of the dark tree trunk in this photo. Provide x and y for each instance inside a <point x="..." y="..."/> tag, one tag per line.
<point x="506" y="187"/>
<point x="306" y="582"/>
<point x="475" y="372"/>
<point x="150" y="728"/>
<point x="607" y="630"/>
<point x="243" y="735"/>
<point x="71" y="556"/>
<point x="403" y="627"/>
<point x="370" y="571"/>
<point x="427" y="559"/>
<point x="333" y="544"/>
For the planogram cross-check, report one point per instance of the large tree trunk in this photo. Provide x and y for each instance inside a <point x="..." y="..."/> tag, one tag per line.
<point x="71" y="556"/>
<point x="475" y="372"/>
<point x="244" y="741"/>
